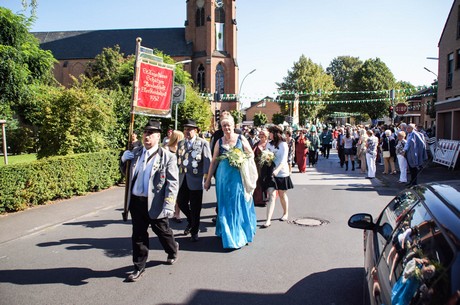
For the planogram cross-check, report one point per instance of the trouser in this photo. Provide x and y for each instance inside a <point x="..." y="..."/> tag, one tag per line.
<point x="193" y="210"/>
<point x="341" y="152"/>
<point x="371" y="166"/>
<point x="413" y="175"/>
<point x="312" y="157"/>
<point x="327" y="149"/>
<point x="402" y="162"/>
<point x="140" y="236"/>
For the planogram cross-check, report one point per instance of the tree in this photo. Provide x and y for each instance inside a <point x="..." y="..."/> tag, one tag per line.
<point x="237" y="116"/>
<point x="309" y="79"/>
<point x="106" y="67"/>
<point x="78" y="120"/>
<point x="278" y="118"/>
<point x="342" y="69"/>
<point x="260" y="119"/>
<point x="196" y="108"/>
<point x="22" y="63"/>
<point x="373" y="75"/>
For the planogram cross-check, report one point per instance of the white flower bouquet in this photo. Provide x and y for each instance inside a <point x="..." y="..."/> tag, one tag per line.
<point x="235" y="156"/>
<point x="267" y="157"/>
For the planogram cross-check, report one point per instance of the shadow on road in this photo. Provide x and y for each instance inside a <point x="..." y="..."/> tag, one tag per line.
<point x="335" y="286"/>
<point x="68" y="276"/>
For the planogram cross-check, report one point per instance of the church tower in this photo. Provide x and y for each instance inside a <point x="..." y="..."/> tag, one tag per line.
<point x="211" y="28"/>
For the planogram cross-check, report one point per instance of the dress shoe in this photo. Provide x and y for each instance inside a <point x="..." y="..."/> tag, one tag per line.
<point x="135" y="275"/>
<point x="187" y="230"/>
<point x="172" y="258"/>
<point x="194" y="237"/>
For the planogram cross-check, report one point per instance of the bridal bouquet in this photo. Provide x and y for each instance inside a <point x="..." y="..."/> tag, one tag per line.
<point x="267" y="157"/>
<point x="235" y="156"/>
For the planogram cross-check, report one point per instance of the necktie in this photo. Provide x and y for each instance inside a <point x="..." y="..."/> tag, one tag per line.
<point x="141" y="174"/>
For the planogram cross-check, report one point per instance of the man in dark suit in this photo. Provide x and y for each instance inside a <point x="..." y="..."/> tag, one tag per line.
<point x="153" y="189"/>
<point x="193" y="159"/>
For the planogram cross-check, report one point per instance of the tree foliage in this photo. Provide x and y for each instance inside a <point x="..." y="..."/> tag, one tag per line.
<point x="342" y="69"/>
<point x="278" y="118"/>
<point x="373" y="75"/>
<point x="306" y="76"/>
<point x="22" y="64"/>
<point x="78" y="120"/>
<point x="260" y="119"/>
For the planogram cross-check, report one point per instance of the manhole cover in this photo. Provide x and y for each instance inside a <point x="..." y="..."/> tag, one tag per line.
<point x="309" y="222"/>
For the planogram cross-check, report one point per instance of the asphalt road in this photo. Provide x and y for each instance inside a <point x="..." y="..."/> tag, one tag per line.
<point x="78" y="251"/>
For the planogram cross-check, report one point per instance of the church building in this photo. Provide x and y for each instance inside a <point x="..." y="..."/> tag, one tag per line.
<point x="208" y="39"/>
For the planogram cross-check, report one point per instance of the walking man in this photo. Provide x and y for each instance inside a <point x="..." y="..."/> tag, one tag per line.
<point x="153" y="187"/>
<point x="193" y="159"/>
<point x="415" y="152"/>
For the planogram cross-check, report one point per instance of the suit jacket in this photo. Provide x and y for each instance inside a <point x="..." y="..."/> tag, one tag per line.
<point x="200" y="155"/>
<point x="163" y="182"/>
<point x="416" y="153"/>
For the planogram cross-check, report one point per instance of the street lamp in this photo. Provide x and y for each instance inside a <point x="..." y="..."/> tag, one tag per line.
<point x="241" y="86"/>
<point x="177" y="104"/>
<point x="430" y="71"/>
<point x="5" y="152"/>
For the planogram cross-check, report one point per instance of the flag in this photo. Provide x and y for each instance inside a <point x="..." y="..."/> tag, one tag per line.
<point x="220" y="36"/>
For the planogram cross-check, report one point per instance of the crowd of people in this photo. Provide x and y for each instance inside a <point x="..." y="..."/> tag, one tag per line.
<point x="251" y="167"/>
<point x="165" y="178"/>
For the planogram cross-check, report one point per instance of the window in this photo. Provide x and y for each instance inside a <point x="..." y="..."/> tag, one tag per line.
<point x="220" y="79"/>
<point x="199" y="18"/>
<point x="419" y="253"/>
<point x="450" y="70"/>
<point x="219" y="15"/>
<point x="201" y="78"/>
<point x="457" y="61"/>
<point x="458" y="22"/>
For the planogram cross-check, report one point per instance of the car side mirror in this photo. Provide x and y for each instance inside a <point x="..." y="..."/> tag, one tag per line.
<point x="361" y="221"/>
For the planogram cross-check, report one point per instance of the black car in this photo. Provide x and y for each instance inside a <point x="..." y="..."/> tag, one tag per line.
<point x="412" y="250"/>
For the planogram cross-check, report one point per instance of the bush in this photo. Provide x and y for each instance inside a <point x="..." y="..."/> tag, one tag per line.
<point x="24" y="185"/>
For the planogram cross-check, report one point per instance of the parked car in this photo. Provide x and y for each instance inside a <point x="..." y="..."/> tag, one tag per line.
<point x="412" y="250"/>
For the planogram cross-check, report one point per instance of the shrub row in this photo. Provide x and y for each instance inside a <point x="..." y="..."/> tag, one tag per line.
<point x="29" y="184"/>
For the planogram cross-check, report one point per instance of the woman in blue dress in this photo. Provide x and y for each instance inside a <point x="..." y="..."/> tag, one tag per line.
<point x="236" y="218"/>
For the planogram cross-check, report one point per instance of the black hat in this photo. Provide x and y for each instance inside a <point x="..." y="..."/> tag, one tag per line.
<point x="190" y="123"/>
<point x="153" y="125"/>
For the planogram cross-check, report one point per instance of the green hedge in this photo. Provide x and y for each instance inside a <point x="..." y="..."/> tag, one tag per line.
<point x="29" y="184"/>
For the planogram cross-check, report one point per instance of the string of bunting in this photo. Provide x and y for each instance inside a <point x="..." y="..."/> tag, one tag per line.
<point x="319" y="92"/>
<point x="232" y="97"/>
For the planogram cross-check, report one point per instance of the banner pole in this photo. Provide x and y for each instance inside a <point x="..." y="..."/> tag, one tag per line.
<point x="124" y="214"/>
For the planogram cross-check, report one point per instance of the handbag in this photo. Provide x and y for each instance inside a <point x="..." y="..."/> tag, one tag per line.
<point x="386" y="154"/>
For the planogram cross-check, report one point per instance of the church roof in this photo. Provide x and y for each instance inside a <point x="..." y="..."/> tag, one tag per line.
<point x="88" y="44"/>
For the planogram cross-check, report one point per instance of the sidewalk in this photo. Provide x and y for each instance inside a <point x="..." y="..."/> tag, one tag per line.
<point x="430" y="173"/>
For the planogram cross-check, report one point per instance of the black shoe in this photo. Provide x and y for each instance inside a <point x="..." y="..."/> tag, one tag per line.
<point x="195" y="237"/>
<point x="172" y="258"/>
<point x="214" y="220"/>
<point x="135" y="275"/>
<point x="187" y="230"/>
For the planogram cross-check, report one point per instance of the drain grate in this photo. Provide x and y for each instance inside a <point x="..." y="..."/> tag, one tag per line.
<point x="309" y="222"/>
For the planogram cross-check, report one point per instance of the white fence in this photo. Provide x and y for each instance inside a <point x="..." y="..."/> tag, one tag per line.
<point x="444" y="152"/>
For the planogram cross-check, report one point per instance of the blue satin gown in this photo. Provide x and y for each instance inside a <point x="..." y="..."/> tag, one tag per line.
<point x="236" y="219"/>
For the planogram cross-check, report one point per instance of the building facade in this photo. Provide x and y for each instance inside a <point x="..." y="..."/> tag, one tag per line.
<point x="208" y="39"/>
<point x="266" y="105"/>
<point x="448" y="104"/>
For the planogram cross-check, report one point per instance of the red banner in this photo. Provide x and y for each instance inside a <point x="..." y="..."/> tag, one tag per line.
<point x="154" y="90"/>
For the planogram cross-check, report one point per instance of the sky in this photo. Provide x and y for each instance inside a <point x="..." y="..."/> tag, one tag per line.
<point x="272" y="35"/>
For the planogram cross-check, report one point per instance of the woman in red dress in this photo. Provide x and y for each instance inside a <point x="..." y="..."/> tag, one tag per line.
<point x="260" y="194"/>
<point x="301" y="152"/>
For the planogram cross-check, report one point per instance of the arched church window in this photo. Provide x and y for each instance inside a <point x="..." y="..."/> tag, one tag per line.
<point x="199" y="18"/>
<point x="219" y="13"/>
<point x="220" y="79"/>
<point x="201" y="78"/>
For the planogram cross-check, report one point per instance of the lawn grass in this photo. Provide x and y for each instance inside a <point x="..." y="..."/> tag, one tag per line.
<point x="18" y="159"/>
